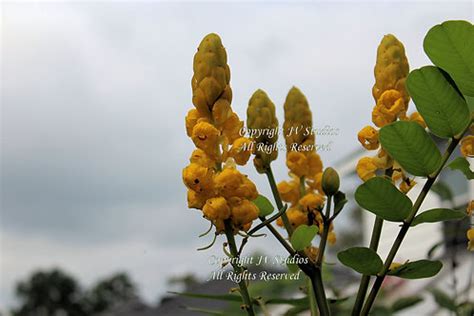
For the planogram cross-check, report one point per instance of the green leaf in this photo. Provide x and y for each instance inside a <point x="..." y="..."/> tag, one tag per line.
<point x="443" y="300"/>
<point x="437" y="215"/>
<point x="379" y="196"/>
<point x="264" y="206"/>
<point x="461" y="164"/>
<point x="406" y="302"/>
<point x="442" y="107"/>
<point x="417" y="269"/>
<point x="443" y="191"/>
<point x="361" y="259"/>
<point x="450" y="46"/>
<point x="339" y="201"/>
<point x="410" y="145"/>
<point x="302" y="236"/>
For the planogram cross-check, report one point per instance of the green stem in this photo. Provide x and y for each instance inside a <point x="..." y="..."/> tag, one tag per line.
<point x="279" y="203"/>
<point x="406" y="225"/>
<point x="318" y="288"/>
<point x="324" y="236"/>
<point x="312" y="298"/>
<point x="238" y="268"/>
<point x="364" y="282"/>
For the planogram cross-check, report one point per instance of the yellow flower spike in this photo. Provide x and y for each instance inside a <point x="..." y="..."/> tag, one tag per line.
<point x="297" y="163"/>
<point x="366" y="168"/>
<point x="406" y="185"/>
<point x="369" y="138"/>
<point x="216" y="209"/>
<point x="470" y="208"/>
<point x="241" y="150"/>
<point x="206" y="137"/>
<point x="391" y="69"/>
<point x="470" y="237"/>
<point x="289" y="191"/>
<point x="311" y="202"/>
<point x="296" y="217"/>
<point x="467" y="146"/>
<point x="298" y="118"/>
<point x="314" y="163"/>
<point x="261" y="117"/>
<point x="332" y="238"/>
<point x="231" y="128"/>
<point x="198" y="178"/>
<point x="201" y="158"/>
<point x="417" y="118"/>
<point x="211" y="75"/>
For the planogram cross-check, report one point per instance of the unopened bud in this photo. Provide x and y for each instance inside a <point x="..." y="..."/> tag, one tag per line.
<point x="330" y="181"/>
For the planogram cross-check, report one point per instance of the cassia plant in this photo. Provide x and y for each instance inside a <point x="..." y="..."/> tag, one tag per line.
<point x="309" y="202"/>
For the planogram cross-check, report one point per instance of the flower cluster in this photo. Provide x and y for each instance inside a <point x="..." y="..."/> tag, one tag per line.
<point x="214" y="184"/>
<point x="304" y="191"/>
<point x="391" y="98"/>
<point x="261" y="116"/>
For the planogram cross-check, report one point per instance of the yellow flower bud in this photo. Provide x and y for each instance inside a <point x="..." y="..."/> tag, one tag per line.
<point x="198" y="178"/>
<point x="221" y="111"/>
<point x="395" y="265"/>
<point x="191" y="120"/>
<point x="211" y="76"/>
<point x="312" y="253"/>
<point x="330" y="181"/>
<point x="201" y="158"/>
<point x="216" y="209"/>
<point x="289" y="191"/>
<point x="417" y="118"/>
<point x="369" y="137"/>
<point x="366" y="168"/>
<point x="241" y="150"/>
<point x="391" y="69"/>
<point x="470" y="237"/>
<point x="228" y="181"/>
<point x="231" y="128"/>
<point x="261" y="117"/>
<point x="298" y="118"/>
<point x="206" y="137"/>
<point x="243" y="212"/>
<point x="297" y="163"/>
<point x="467" y="146"/>
<point x="311" y="202"/>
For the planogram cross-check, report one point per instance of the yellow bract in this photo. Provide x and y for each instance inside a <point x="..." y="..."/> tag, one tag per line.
<point x="240" y="150"/>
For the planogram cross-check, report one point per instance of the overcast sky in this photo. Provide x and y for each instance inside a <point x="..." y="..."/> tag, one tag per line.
<point x="93" y="103"/>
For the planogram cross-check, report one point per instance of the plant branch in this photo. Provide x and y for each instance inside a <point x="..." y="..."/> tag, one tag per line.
<point x="276" y="196"/>
<point x="238" y="268"/>
<point x="407" y="223"/>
